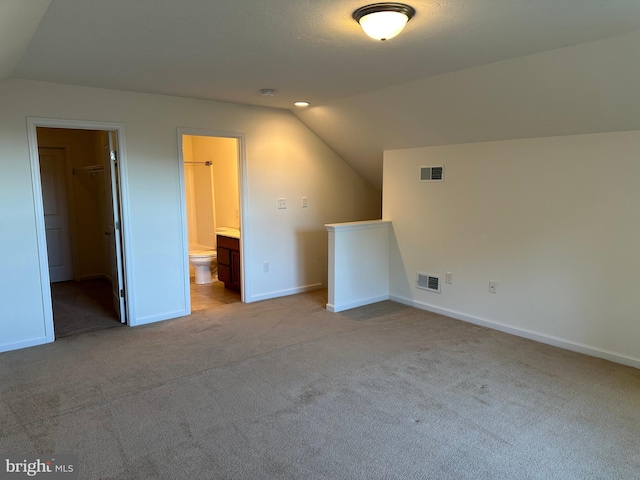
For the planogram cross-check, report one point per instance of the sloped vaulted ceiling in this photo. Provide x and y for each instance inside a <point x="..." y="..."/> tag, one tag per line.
<point x="447" y="78"/>
<point x="18" y="22"/>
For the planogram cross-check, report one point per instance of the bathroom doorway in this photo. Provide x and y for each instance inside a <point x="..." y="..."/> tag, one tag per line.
<point x="79" y="184"/>
<point x="211" y="171"/>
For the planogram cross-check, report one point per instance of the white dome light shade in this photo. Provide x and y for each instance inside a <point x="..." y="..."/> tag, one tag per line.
<point x="383" y="21"/>
<point x="383" y="25"/>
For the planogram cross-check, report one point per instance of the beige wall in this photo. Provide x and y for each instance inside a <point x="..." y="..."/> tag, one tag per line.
<point x="212" y="191"/>
<point x="555" y="221"/>
<point x="192" y="224"/>
<point x="284" y="159"/>
<point x="223" y="152"/>
<point x="200" y="196"/>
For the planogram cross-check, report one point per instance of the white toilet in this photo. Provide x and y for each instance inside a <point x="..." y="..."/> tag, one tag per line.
<point x="203" y="261"/>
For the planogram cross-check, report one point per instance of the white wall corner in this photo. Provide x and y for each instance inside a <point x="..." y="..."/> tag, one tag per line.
<point x="358" y="264"/>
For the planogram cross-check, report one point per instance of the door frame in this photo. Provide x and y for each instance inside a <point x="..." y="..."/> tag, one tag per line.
<point x="243" y="201"/>
<point x="45" y="286"/>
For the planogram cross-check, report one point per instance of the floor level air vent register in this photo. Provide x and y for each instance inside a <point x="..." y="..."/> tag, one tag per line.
<point x="432" y="174"/>
<point x="428" y="282"/>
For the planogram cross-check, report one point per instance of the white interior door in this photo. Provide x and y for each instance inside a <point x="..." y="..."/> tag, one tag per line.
<point x="56" y="213"/>
<point x="113" y="230"/>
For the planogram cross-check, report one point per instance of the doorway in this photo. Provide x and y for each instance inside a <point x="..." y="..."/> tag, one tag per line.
<point x="211" y="171"/>
<point x="77" y="185"/>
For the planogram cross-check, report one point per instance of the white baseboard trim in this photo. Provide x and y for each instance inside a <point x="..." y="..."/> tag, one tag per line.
<point x="359" y="303"/>
<point x="521" y="332"/>
<point x="7" y="347"/>
<point x="284" y="293"/>
<point x="136" y="322"/>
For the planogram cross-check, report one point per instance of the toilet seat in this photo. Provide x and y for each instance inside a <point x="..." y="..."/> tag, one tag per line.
<point x="203" y="254"/>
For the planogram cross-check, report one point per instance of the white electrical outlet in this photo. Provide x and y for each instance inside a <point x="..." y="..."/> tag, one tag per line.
<point x="493" y="286"/>
<point x="305" y="202"/>
<point x="448" y="277"/>
<point x="282" y="203"/>
<point x="265" y="267"/>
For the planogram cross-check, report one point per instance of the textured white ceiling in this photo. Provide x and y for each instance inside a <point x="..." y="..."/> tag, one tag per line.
<point x="313" y="49"/>
<point x="305" y="49"/>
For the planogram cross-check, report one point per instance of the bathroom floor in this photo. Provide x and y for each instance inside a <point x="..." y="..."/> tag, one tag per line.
<point x="210" y="295"/>
<point x="81" y="307"/>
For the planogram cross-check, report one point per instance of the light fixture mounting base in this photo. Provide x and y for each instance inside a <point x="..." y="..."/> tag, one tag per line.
<point x="408" y="10"/>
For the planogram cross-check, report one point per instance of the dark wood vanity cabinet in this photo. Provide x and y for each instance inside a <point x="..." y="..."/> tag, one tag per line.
<point x="229" y="261"/>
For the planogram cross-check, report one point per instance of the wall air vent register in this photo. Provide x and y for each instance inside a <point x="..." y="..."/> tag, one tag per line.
<point x="432" y="174"/>
<point x="428" y="282"/>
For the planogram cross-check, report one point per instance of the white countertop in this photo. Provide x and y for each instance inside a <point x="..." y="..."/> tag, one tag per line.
<point x="228" y="232"/>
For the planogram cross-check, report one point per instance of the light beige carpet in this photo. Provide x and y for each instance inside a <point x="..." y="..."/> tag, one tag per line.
<point x="82" y="307"/>
<point x="283" y="389"/>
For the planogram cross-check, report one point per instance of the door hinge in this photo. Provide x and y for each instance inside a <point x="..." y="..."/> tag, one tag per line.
<point x="116" y="226"/>
<point x="122" y="293"/>
<point x="113" y="155"/>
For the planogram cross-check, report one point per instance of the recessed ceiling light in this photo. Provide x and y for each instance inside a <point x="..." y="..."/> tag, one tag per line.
<point x="267" y="92"/>
<point x="301" y="104"/>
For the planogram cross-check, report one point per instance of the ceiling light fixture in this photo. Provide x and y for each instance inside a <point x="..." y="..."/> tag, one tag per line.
<point x="383" y="21"/>
<point x="301" y="104"/>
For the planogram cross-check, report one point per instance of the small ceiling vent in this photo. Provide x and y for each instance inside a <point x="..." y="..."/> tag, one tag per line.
<point x="431" y="174"/>
<point x="428" y="282"/>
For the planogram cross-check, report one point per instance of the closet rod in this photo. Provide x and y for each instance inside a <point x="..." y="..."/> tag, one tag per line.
<point x="208" y="163"/>
<point x="89" y="169"/>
